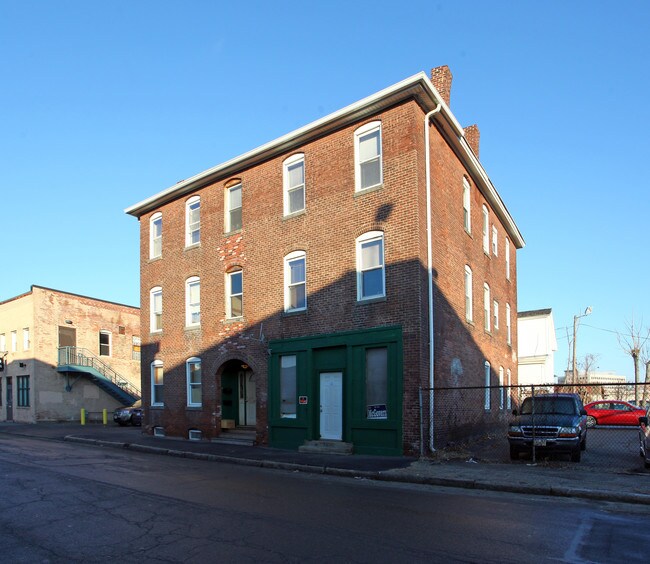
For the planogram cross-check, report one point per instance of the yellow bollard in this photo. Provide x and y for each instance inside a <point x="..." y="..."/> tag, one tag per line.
<point x="83" y="416"/>
<point x="105" y="416"/>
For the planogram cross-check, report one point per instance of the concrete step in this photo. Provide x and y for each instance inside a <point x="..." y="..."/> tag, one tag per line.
<point x="238" y="436"/>
<point x="326" y="447"/>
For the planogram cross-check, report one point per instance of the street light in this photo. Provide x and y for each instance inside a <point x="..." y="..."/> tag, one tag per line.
<point x="574" y="376"/>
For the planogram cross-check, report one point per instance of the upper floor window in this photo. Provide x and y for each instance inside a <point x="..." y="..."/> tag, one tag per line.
<point x="233" y="208"/>
<point x="368" y="156"/>
<point x="486" y="231"/>
<point x="26" y="339"/>
<point x="371" y="281"/>
<point x="295" y="281"/>
<point x="155" y="235"/>
<point x="495" y="309"/>
<point x="507" y="243"/>
<point x="3" y="343"/>
<point x="294" y="184"/>
<point x="469" y="308"/>
<point x="486" y="306"/>
<point x="235" y="294"/>
<point x="495" y="241"/>
<point x="104" y="343"/>
<point x="192" y="301"/>
<point x="193" y="370"/>
<point x="193" y="221"/>
<point x="14" y="341"/>
<point x="157" y="382"/>
<point x="467" y="210"/>
<point x="508" y="325"/>
<point x="155" y="306"/>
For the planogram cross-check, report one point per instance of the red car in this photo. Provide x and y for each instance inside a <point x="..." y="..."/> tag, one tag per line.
<point x="613" y="412"/>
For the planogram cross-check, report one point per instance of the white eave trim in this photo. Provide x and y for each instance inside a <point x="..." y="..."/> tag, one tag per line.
<point x="417" y="86"/>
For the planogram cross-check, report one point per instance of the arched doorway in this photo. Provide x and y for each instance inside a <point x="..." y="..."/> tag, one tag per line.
<point x="238" y="397"/>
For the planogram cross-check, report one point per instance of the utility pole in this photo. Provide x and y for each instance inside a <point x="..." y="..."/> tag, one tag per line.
<point x="574" y="374"/>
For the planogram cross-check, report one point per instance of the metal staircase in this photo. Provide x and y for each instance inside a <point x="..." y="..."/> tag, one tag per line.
<point x="75" y="360"/>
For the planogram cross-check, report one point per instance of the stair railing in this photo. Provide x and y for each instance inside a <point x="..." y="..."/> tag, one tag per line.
<point x="77" y="356"/>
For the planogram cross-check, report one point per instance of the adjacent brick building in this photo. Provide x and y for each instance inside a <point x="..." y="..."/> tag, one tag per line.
<point x="296" y="289"/>
<point x="63" y="352"/>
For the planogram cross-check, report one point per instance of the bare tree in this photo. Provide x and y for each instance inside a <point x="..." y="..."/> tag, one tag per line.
<point x="633" y="343"/>
<point x="587" y="364"/>
<point x="645" y="358"/>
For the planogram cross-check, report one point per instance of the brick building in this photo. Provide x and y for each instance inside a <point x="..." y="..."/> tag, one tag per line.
<point x="62" y="352"/>
<point x="295" y="289"/>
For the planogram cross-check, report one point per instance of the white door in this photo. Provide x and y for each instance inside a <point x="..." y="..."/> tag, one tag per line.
<point x="331" y="405"/>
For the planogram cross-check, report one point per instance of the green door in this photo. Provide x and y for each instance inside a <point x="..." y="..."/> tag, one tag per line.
<point x="229" y="396"/>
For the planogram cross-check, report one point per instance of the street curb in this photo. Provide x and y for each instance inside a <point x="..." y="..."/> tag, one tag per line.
<point x="552" y="491"/>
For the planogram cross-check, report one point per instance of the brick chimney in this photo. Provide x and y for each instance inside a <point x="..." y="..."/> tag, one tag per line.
<point x="441" y="78"/>
<point x="473" y="136"/>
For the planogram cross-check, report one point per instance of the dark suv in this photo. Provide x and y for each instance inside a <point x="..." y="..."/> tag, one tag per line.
<point x="550" y="423"/>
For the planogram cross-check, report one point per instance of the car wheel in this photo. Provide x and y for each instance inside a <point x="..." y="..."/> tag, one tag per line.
<point x="121" y="423"/>
<point x="591" y="421"/>
<point x="583" y="444"/>
<point x="514" y="453"/>
<point x="576" y="454"/>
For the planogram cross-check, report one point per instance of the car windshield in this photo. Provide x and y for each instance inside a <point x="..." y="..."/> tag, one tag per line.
<point x="546" y="405"/>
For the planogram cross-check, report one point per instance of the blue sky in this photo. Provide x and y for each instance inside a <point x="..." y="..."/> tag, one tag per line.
<point x="103" y="104"/>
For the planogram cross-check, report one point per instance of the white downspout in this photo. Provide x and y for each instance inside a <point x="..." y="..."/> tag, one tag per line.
<point x="427" y="151"/>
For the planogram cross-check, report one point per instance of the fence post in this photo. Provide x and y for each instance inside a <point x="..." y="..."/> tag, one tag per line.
<point x="104" y="416"/>
<point x="83" y="416"/>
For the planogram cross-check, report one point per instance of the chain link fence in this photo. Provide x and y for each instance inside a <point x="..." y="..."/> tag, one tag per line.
<point x="472" y="423"/>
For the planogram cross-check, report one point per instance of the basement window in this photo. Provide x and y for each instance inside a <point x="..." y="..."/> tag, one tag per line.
<point x="195" y="435"/>
<point x="158" y="431"/>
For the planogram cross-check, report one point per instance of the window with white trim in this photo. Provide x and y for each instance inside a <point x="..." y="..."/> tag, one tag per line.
<point x="104" y="343"/>
<point x="155" y="236"/>
<point x="467" y="206"/>
<point x="14" y="341"/>
<point x="26" y="339"/>
<point x="233" y="208"/>
<point x="507" y="243"/>
<point x="508" y="326"/>
<point x="495" y="309"/>
<point x="193" y="302"/>
<point x="157" y="382"/>
<point x="495" y="241"/>
<point x="486" y="231"/>
<point x="295" y="281"/>
<point x="234" y="294"/>
<point x="294" y="184"/>
<point x="193" y="221"/>
<point x="488" y="402"/>
<point x="469" y="308"/>
<point x="155" y="306"/>
<point x="193" y="370"/>
<point x="371" y="281"/>
<point x="368" y="156"/>
<point x="508" y="391"/>
<point x="486" y="307"/>
<point x="501" y="389"/>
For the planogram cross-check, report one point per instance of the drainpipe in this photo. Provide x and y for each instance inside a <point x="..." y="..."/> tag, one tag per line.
<point x="427" y="156"/>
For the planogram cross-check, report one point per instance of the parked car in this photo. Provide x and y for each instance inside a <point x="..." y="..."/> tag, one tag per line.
<point x="613" y="412"/>
<point x="644" y="440"/>
<point x="129" y="415"/>
<point x="550" y="423"/>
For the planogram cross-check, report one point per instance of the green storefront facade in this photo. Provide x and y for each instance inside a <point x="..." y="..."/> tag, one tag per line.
<point x="342" y="387"/>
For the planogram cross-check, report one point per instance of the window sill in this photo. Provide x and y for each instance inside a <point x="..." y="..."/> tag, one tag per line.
<point x="469" y="322"/>
<point x="155" y="333"/>
<point x="293" y="312"/>
<point x="241" y="319"/>
<point x="154" y="259"/>
<point x="191" y="328"/>
<point x="157" y="406"/>
<point x="192" y="246"/>
<point x="231" y="233"/>
<point x="371" y="300"/>
<point x="193" y="407"/>
<point x="365" y="191"/>
<point x="294" y="214"/>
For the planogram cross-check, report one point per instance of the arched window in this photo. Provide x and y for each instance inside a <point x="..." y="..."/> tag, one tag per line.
<point x="368" y="156"/>
<point x="469" y="308"/>
<point x="192" y="302"/>
<point x="371" y="281"/>
<point x="467" y="206"/>
<point x="193" y="221"/>
<point x="193" y="371"/>
<point x="486" y="231"/>
<point x="157" y="382"/>
<point x="486" y="307"/>
<point x="155" y="307"/>
<point x="488" y="405"/>
<point x="295" y="281"/>
<point x="155" y="236"/>
<point x="294" y="184"/>
<point x="235" y="293"/>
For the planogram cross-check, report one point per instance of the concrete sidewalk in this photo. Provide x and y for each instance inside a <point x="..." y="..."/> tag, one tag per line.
<point x="563" y="480"/>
